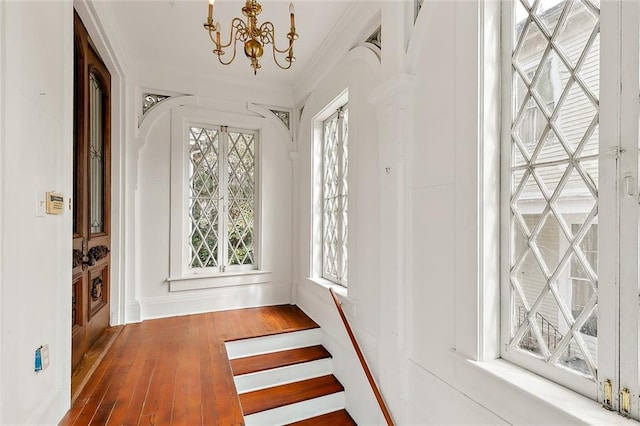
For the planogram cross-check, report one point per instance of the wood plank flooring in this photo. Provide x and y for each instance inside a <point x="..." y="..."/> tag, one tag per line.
<point x="175" y="371"/>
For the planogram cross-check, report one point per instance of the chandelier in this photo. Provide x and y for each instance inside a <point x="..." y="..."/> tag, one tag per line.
<point x="255" y="37"/>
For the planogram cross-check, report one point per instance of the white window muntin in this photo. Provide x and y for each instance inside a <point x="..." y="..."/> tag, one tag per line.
<point x="335" y="196"/>
<point x="234" y="153"/>
<point x="523" y="172"/>
<point x="617" y="215"/>
<point x="183" y="118"/>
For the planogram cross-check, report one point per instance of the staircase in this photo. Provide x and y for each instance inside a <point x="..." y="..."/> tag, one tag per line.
<point x="287" y="379"/>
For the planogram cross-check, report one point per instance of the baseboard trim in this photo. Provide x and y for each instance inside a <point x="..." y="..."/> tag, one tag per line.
<point x="218" y="299"/>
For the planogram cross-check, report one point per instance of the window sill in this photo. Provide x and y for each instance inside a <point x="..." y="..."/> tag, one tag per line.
<point x="348" y="305"/>
<point x="340" y="290"/>
<point x="555" y="398"/>
<point x="227" y="279"/>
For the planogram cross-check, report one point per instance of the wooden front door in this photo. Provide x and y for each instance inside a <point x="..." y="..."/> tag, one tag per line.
<point x="91" y="195"/>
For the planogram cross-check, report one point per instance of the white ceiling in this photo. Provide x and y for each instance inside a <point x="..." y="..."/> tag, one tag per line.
<point x="170" y="33"/>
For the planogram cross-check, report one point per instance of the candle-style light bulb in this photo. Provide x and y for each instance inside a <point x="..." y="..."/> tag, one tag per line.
<point x="218" y="35"/>
<point x="211" y="9"/>
<point x="292" y="11"/>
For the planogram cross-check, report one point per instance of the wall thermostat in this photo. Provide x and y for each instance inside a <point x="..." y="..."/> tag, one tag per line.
<point x="55" y="203"/>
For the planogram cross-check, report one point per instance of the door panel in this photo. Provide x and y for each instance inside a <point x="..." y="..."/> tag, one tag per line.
<point x="92" y="195"/>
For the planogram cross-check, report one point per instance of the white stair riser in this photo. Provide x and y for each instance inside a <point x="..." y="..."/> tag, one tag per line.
<point x="282" y="375"/>
<point x="299" y="411"/>
<point x="275" y="343"/>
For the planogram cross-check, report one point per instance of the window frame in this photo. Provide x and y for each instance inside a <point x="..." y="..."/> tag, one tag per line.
<point x="183" y="118"/>
<point x="341" y="239"/>
<point x="317" y="183"/>
<point x="618" y="205"/>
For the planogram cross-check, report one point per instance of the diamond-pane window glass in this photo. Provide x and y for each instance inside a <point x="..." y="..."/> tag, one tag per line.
<point x="203" y="197"/>
<point x="240" y="188"/>
<point x="335" y="161"/>
<point x="553" y="202"/>
<point x="222" y="182"/>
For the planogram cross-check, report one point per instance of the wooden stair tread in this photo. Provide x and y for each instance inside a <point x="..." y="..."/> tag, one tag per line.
<point x="336" y="418"/>
<point x="291" y="393"/>
<point x="271" y="360"/>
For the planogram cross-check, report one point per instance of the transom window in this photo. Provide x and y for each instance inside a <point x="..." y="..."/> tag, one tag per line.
<point x="222" y="198"/>
<point x="335" y="167"/>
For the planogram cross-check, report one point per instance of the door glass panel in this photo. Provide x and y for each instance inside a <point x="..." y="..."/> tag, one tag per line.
<point x="554" y="138"/>
<point x="96" y="154"/>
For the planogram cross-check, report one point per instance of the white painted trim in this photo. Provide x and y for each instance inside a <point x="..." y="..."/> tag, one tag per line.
<point x="218" y="299"/>
<point x="3" y="189"/>
<point x="275" y="121"/>
<point x="274" y="343"/>
<point x="629" y="209"/>
<point x="396" y="89"/>
<point x="299" y="411"/>
<point x="133" y="312"/>
<point x="341" y="39"/>
<point x="139" y="100"/>
<point x="261" y="89"/>
<point x="489" y="134"/>
<point x="218" y="280"/>
<point x="283" y="375"/>
<point x="541" y="397"/>
<point x="181" y="118"/>
<point x="418" y="39"/>
<point x="153" y="115"/>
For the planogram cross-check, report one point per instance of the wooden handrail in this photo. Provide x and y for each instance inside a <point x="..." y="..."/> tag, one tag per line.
<point x="363" y="362"/>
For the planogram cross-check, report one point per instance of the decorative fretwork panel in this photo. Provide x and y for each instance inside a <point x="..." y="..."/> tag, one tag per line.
<point x="203" y="197"/>
<point x="149" y="100"/>
<point x="241" y="193"/>
<point x="554" y="182"/>
<point x="283" y="116"/>
<point x="335" y="190"/>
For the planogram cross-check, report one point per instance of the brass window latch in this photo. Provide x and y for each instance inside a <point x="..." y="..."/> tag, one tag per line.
<point x="607" y="401"/>
<point x="625" y="402"/>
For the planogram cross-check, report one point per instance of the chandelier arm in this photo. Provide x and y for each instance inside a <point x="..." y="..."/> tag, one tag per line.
<point x="268" y="28"/>
<point x="275" y="59"/>
<point x="232" y="57"/>
<point x="241" y="30"/>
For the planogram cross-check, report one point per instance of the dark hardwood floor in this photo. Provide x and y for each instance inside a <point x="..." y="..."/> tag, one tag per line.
<point x="175" y="371"/>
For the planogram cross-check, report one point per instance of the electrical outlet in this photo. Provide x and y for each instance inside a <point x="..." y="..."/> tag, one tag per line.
<point x="45" y="357"/>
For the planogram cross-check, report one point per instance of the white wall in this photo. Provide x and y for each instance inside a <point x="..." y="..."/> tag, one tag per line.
<point x="35" y="280"/>
<point x="223" y="104"/>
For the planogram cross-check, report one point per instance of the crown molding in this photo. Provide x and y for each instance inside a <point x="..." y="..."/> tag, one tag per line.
<point x="355" y="25"/>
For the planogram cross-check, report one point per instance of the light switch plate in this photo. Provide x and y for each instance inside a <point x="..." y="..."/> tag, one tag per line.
<point x="45" y="356"/>
<point x="40" y="204"/>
